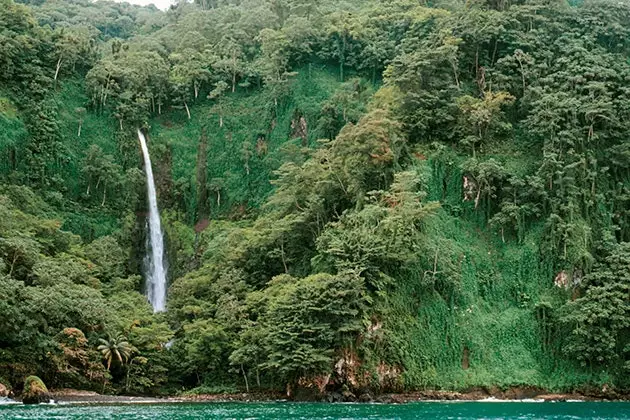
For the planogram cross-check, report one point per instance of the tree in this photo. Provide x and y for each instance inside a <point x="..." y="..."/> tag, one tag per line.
<point x="73" y="45"/>
<point x="599" y="320"/>
<point x="188" y="72"/>
<point x="80" y="111"/>
<point x="115" y="349"/>
<point x="308" y="319"/>
<point x="341" y="30"/>
<point x="274" y="63"/>
<point x="230" y="64"/>
<point x="218" y="94"/>
<point x="101" y="168"/>
<point x="483" y="118"/>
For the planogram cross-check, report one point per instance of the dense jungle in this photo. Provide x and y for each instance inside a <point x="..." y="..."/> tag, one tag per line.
<point x="381" y="195"/>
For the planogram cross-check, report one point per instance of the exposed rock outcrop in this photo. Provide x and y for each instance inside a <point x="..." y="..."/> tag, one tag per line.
<point x="5" y="391"/>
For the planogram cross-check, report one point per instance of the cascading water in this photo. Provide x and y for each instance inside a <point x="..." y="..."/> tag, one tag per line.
<point x="156" y="272"/>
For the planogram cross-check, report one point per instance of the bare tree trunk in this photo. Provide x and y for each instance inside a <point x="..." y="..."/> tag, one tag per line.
<point x="106" y="92"/>
<point x="455" y="74"/>
<point x="478" y="196"/>
<point x="196" y="89"/>
<point x="220" y="120"/>
<point x="80" y="125"/>
<point x="104" y="192"/>
<point x="127" y="380"/>
<point x="245" y="376"/>
<point x="187" y="110"/>
<point x="57" y="69"/>
<point x="15" y="257"/>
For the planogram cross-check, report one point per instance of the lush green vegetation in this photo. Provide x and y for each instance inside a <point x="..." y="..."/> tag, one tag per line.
<point x="356" y="195"/>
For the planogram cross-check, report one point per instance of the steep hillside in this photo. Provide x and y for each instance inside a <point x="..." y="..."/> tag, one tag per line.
<point x="356" y="196"/>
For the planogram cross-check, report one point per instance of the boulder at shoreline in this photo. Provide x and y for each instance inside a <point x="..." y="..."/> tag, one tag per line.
<point x="35" y="391"/>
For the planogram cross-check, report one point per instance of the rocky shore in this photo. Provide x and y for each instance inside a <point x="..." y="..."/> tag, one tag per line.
<point x="494" y="394"/>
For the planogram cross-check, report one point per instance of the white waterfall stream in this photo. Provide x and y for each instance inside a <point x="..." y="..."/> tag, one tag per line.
<point x="155" y="269"/>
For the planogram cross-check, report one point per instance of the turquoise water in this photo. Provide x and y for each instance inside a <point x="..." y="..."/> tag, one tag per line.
<point x="423" y="410"/>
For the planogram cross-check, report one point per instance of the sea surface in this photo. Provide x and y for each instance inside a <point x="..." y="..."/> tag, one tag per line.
<point x="285" y="410"/>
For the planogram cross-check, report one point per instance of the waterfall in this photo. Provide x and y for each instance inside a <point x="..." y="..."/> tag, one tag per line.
<point x="155" y="271"/>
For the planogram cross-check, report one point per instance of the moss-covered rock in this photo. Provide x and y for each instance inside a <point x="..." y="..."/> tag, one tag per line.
<point x="35" y="391"/>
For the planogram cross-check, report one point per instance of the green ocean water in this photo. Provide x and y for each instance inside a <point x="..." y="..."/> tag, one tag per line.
<point x="279" y="410"/>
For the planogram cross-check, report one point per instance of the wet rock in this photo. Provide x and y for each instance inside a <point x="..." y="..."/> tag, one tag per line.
<point x="365" y="398"/>
<point x="386" y="399"/>
<point x="335" y="397"/>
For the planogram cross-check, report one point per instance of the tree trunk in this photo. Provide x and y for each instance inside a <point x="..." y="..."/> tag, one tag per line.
<point x="478" y="196"/>
<point x="245" y="376"/>
<point x="220" y="120"/>
<point x="127" y="380"/>
<point x="57" y="69"/>
<point x="106" y="92"/>
<point x="196" y="90"/>
<point x="455" y="74"/>
<point x="121" y="127"/>
<point x="233" y="71"/>
<point x="187" y="110"/>
<point x="15" y="257"/>
<point x="104" y="192"/>
<point x="80" y="125"/>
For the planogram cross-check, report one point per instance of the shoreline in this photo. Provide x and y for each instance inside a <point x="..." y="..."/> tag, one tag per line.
<point x="76" y="397"/>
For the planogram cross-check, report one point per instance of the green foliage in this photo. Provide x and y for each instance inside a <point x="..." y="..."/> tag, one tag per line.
<point x="377" y="193"/>
<point x="211" y="389"/>
<point x="33" y="384"/>
<point x="308" y="319"/>
<point x="599" y="320"/>
<point x="115" y="349"/>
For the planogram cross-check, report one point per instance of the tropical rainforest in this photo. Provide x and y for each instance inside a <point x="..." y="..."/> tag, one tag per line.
<point x="383" y="195"/>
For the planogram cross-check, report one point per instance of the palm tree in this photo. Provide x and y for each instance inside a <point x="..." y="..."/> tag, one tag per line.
<point x="115" y="348"/>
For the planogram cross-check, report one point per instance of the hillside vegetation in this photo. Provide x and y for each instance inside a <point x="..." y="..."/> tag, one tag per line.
<point x="359" y="195"/>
